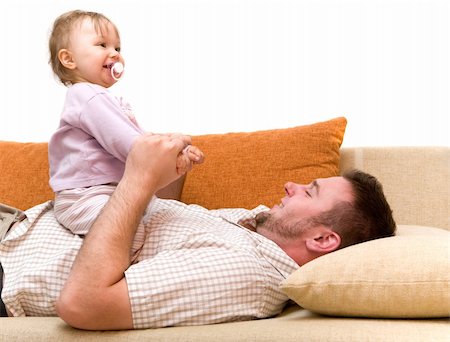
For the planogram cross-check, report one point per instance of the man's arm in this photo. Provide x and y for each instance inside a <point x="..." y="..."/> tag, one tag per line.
<point x="95" y="295"/>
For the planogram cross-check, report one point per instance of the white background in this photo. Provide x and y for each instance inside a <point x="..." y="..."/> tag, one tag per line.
<point x="210" y="66"/>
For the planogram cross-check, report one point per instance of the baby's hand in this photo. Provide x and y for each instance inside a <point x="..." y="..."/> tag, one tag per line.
<point x="194" y="154"/>
<point x="189" y="156"/>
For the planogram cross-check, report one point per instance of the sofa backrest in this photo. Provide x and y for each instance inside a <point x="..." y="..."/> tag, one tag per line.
<point x="416" y="180"/>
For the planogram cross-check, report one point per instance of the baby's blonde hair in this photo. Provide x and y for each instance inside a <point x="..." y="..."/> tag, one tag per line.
<point x="59" y="38"/>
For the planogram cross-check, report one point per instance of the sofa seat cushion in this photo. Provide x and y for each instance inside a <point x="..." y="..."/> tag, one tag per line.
<point x="243" y="170"/>
<point x="405" y="276"/>
<point x="292" y="325"/>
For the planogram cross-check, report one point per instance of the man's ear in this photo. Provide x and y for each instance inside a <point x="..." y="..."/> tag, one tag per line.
<point x="65" y="57"/>
<point x="324" y="242"/>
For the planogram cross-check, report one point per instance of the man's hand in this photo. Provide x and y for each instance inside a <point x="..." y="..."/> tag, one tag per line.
<point x="152" y="160"/>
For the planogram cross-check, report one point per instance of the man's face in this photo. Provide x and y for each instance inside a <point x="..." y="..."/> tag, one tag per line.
<point x="302" y="202"/>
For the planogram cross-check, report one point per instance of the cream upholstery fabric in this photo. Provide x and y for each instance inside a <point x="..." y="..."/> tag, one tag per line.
<point x="405" y="276"/>
<point x="416" y="180"/>
<point x="294" y="325"/>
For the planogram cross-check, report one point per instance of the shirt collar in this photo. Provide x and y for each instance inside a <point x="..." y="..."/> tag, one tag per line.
<point x="273" y="253"/>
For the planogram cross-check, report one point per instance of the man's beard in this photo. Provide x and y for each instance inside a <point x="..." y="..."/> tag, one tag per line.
<point x="265" y="221"/>
<point x="261" y="218"/>
<point x="282" y="227"/>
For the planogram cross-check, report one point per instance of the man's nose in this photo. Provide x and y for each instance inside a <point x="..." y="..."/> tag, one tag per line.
<point x="292" y="188"/>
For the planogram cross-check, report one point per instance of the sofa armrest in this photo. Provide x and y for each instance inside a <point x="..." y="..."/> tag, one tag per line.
<point x="415" y="180"/>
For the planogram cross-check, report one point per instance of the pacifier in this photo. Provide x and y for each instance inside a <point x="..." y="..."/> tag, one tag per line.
<point x="117" y="70"/>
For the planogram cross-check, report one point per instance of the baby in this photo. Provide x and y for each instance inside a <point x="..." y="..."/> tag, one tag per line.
<point x="88" y="151"/>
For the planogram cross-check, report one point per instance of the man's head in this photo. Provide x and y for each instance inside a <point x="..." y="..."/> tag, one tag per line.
<point x="328" y="214"/>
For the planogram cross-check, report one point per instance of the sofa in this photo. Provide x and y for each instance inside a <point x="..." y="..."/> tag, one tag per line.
<point x="392" y="289"/>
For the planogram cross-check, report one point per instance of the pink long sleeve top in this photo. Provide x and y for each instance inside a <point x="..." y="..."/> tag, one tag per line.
<point x="94" y="137"/>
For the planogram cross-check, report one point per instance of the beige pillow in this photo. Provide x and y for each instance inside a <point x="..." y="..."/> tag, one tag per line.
<point x="243" y="170"/>
<point x="406" y="276"/>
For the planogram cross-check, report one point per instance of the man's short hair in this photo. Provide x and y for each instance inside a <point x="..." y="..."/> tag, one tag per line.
<point x="367" y="217"/>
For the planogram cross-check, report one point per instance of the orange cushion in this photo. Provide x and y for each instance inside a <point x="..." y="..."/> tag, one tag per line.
<point x="248" y="169"/>
<point x="24" y="174"/>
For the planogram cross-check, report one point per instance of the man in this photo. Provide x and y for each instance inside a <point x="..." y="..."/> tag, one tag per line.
<point x="196" y="266"/>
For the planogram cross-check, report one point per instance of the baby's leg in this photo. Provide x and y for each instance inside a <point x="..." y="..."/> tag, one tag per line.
<point x="77" y="209"/>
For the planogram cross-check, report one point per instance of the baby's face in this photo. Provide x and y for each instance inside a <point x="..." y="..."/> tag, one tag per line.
<point x="93" y="49"/>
